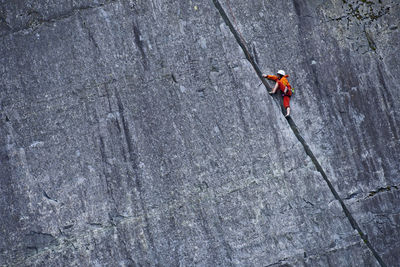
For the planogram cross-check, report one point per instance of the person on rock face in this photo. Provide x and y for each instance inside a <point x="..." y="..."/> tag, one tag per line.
<point x="283" y="84"/>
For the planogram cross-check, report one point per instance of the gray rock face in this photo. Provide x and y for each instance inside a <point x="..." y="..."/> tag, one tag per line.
<point x="136" y="133"/>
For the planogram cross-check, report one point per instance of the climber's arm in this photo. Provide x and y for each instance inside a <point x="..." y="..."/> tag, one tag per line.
<point x="271" y="77"/>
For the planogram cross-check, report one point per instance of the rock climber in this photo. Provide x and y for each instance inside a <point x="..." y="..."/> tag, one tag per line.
<point x="283" y="84"/>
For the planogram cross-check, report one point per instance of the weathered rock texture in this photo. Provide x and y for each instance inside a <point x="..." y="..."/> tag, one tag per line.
<point x="135" y="133"/>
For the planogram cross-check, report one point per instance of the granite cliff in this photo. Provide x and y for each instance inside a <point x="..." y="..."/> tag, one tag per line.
<point x="140" y="133"/>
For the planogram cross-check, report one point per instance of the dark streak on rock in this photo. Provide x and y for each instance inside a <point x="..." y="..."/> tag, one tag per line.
<point x="37" y="240"/>
<point x="95" y="224"/>
<point x="134" y="161"/>
<point x="241" y="115"/>
<point x="308" y="202"/>
<point x="47" y="196"/>
<point x="382" y="190"/>
<point x="33" y="248"/>
<point x="174" y="78"/>
<point x="351" y="196"/>
<point x="90" y="36"/>
<point x="3" y="21"/>
<point x="255" y="54"/>
<point x="106" y="175"/>
<point x="234" y="190"/>
<point x="68" y="226"/>
<point x="371" y="42"/>
<point x="139" y="45"/>
<point x="385" y="96"/>
<point x="280" y="263"/>
<point x="132" y="154"/>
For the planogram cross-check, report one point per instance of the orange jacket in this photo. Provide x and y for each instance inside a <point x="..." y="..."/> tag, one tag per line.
<point x="283" y="82"/>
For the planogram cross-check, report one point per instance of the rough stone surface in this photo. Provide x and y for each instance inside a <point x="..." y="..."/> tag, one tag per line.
<point x="135" y="133"/>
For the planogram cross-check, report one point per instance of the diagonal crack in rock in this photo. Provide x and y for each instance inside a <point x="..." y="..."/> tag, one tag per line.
<point x="296" y="132"/>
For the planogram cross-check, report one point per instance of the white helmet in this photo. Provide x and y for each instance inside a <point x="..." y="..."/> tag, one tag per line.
<point x="281" y="72"/>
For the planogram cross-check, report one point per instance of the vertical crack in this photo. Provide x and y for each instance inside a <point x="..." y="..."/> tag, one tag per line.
<point x="90" y="35"/>
<point x="139" y="186"/>
<point x="296" y="132"/>
<point x="139" y="44"/>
